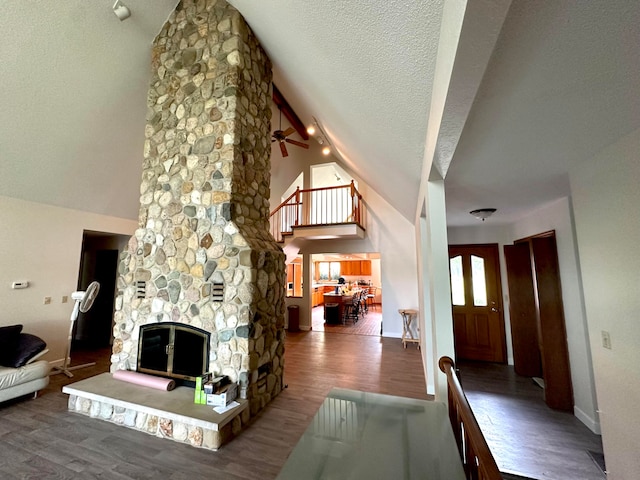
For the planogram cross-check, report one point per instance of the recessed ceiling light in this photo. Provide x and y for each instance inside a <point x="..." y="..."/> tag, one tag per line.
<point x="326" y="150"/>
<point x="311" y="130"/>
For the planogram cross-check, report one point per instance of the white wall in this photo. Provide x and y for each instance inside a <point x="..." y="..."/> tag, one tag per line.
<point x="606" y="197"/>
<point x="42" y="244"/>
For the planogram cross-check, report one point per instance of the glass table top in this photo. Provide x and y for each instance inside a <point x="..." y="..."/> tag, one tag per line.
<point x="359" y="435"/>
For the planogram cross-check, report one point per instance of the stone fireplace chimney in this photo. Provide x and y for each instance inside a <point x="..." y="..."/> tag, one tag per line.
<point x="202" y="254"/>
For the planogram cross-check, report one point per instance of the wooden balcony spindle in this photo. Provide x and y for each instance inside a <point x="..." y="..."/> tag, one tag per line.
<point x="297" y="203"/>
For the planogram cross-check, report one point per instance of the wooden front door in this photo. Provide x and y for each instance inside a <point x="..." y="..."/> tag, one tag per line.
<point x="477" y="303"/>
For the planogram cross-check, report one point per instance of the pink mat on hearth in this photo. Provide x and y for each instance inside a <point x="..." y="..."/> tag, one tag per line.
<point x="145" y="380"/>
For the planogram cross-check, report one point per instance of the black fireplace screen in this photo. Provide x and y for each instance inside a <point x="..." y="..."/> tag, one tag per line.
<point x="173" y="350"/>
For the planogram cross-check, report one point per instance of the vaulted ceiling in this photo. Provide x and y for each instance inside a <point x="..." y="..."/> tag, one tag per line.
<point x="560" y="85"/>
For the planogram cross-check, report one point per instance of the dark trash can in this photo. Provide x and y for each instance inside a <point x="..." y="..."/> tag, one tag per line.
<point x="332" y="313"/>
<point x="294" y="318"/>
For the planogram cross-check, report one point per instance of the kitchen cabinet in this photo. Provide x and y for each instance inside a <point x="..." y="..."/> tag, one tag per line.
<point x="355" y="268"/>
<point x="365" y="267"/>
<point x="345" y="268"/>
<point x="317" y="295"/>
<point x="294" y="280"/>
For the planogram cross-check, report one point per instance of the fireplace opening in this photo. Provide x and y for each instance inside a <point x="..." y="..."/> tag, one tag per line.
<point x="173" y="350"/>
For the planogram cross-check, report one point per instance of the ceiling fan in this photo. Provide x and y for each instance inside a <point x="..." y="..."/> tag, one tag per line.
<point x="281" y="137"/>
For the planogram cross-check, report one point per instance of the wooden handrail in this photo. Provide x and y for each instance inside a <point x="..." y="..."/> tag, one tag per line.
<point x="337" y="205"/>
<point x="477" y="459"/>
<point x="286" y="202"/>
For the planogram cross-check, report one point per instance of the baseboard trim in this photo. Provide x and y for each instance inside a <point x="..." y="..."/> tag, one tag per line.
<point x="57" y="363"/>
<point x="591" y="424"/>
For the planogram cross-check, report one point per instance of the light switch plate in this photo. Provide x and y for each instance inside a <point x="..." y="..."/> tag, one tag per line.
<point x="606" y="339"/>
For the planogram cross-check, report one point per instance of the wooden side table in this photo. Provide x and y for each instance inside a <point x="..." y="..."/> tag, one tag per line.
<point x="407" y="320"/>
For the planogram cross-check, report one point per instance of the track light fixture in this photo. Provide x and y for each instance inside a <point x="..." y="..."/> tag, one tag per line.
<point x="316" y="130"/>
<point x="121" y="10"/>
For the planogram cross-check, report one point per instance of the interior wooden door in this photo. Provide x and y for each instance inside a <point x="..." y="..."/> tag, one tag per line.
<point x="477" y="303"/>
<point x="553" y="336"/>
<point x="537" y="317"/>
<point x="525" y="333"/>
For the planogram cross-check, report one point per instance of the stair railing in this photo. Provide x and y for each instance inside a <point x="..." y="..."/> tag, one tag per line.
<point x="477" y="460"/>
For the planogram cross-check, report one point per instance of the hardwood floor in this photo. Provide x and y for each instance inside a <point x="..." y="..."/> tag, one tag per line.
<point x="40" y="439"/>
<point x="525" y="436"/>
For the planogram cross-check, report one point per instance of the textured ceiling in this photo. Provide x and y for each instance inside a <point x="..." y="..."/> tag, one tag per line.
<point x="364" y="70"/>
<point x="561" y="84"/>
<point x="74" y="86"/>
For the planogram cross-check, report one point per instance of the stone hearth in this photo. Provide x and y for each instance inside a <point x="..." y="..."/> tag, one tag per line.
<point x="171" y="415"/>
<point x="203" y="254"/>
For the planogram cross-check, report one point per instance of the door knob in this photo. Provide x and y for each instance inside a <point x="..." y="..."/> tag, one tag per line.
<point x="494" y="309"/>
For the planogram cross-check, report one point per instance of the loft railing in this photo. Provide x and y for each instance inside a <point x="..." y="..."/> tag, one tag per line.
<point x="318" y="206"/>
<point x="477" y="460"/>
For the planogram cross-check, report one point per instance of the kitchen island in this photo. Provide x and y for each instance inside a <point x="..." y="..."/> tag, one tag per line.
<point x="341" y="299"/>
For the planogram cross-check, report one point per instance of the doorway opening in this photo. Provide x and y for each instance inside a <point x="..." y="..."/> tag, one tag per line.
<point x="346" y="296"/>
<point x="99" y="262"/>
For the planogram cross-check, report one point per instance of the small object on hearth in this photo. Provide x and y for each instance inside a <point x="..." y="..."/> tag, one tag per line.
<point x="223" y="396"/>
<point x="145" y="380"/>
<point x="199" y="396"/>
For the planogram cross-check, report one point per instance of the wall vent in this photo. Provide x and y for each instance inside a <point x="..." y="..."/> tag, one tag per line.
<point x="217" y="292"/>
<point x="141" y="288"/>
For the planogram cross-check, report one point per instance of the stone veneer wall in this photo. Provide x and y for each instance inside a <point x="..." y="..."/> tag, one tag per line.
<point x="204" y="209"/>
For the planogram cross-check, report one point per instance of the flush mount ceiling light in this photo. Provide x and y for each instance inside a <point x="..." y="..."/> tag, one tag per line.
<point x="483" y="213"/>
<point x="121" y="10"/>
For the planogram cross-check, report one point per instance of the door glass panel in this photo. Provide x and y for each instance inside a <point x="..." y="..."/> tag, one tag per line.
<point x="457" y="281"/>
<point x="479" y="281"/>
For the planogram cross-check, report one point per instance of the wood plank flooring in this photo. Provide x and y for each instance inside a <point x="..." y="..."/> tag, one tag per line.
<point x="525" y="436"/>
<point x="40" y="439"/>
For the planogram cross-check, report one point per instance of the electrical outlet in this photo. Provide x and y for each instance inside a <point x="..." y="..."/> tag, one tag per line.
<point x="606" y="339"/>
<point x="47" y="300"/>
<point x="65" y="299"/>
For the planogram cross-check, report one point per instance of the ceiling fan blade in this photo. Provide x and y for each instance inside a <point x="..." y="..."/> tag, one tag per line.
<point x="283" y="149"/>
<point x="288" y="131"/>
<point x="295" y="142"/>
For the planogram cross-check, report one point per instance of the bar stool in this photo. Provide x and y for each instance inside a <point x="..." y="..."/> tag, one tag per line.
<point x="371" y="297"/>
<point x="407" y="320"/>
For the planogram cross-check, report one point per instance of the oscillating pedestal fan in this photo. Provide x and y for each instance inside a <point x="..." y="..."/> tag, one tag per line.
<point x="83" y="300"/>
